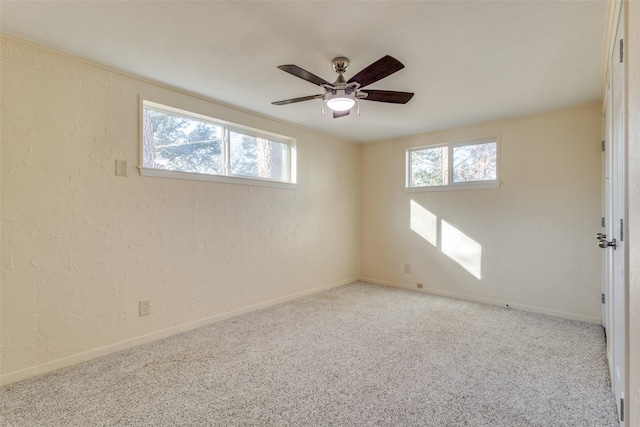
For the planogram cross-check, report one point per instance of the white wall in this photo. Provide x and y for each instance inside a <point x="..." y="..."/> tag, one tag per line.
<point x="81" y="246"/>
<point x="536" y="232"/>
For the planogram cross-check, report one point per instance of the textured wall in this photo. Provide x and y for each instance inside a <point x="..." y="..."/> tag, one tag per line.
<point x="535" y="232"/>
<point x="81" y="246"/>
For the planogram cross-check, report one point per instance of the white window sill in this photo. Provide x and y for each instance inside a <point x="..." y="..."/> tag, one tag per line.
<point x="460" y="186"/>
<point x="191" y="176"/>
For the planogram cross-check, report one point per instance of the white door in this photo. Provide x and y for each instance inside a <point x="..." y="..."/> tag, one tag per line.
<point x="614" y="244"/>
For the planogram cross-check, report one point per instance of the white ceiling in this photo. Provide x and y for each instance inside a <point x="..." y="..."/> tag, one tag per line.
<point x="467" y="62"/>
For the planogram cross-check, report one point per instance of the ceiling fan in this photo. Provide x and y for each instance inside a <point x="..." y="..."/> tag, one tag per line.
<point x="342" y="95"/>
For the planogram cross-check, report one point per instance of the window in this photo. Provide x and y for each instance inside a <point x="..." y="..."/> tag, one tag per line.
<point x="180" y="144"/>
<point x="461" y="165"/>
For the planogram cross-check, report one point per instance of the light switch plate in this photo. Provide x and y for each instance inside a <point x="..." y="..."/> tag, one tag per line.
<point x="121" y="168"/>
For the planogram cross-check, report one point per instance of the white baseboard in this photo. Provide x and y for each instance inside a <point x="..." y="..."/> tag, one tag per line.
<point x="516" y="306"/>
<point x="64" y="362"/>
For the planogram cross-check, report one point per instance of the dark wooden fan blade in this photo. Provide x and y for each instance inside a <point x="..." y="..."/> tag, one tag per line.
<point x="388" y="96"/>
<point x="337" y="114"/>
<point x="303" y="98"/>
<point x="303" y="74"/>
<point x="380" y="69"/>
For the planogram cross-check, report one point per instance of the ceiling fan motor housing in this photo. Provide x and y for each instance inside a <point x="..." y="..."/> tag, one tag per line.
<point x="340" y="64"/>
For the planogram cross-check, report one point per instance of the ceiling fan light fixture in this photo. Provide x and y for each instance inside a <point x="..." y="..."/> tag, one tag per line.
<point x="341" y="100"/>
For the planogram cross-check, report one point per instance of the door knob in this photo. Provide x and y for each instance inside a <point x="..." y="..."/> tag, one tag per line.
<point x="604" y="244"/>
<point x="601" y="236"/>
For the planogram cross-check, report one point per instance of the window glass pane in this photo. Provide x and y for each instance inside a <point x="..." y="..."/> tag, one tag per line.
<point x="182" y="141"/>
<point x="177" y="143"/>
<point x="429" y="167"/>
<point x="259" y="157"/>
<point x="475" y="162"/>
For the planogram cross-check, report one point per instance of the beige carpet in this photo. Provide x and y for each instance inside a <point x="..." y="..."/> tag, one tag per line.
<point x="358" y="355"/>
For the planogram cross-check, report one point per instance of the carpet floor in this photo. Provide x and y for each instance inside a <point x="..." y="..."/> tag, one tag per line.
<point x="357" y="355"/>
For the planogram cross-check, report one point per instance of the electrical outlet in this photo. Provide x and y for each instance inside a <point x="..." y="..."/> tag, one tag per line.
<point x="144" y="308"/>
<point x="407" y="268"/>
<point x="419" y="285"/>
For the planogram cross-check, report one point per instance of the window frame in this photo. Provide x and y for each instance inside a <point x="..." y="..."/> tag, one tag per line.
<point x="228" y="127"/>
<point x="451" y="185"/>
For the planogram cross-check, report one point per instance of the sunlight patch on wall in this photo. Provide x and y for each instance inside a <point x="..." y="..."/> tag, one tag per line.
<point x="451" y="241"/>
<point x="462" y="249"/>
<point x="424" y="223"/>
